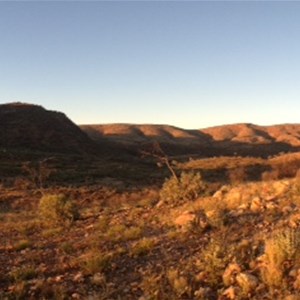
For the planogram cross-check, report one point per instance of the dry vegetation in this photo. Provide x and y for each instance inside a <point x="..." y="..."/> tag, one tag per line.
<point x="216" y="231"/>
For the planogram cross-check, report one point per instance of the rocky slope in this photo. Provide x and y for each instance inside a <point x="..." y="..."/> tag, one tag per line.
<point x="236" y="139"/>
<point x="26" y="126"/>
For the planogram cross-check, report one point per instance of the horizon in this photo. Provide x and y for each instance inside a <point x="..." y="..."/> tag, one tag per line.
<point x="190" y="65"/>
<point x="146" y="124"/>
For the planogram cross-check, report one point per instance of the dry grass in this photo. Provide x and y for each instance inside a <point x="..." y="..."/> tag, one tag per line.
<point x="127" y="245"/>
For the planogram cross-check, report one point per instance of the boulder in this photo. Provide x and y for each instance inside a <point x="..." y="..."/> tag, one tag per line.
<point x="247" y="281"/>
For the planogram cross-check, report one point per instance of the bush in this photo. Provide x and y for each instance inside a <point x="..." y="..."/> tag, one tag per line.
<point x="57" y="209"/>
<point x="188" y="186"/>
<point x="281" y="247"/>
<point x="237" y="175"/>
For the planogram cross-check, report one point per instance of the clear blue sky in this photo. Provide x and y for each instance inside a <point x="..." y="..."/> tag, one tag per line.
<point x="189" y="64"/>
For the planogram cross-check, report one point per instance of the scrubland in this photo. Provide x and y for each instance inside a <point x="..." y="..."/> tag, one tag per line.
<point x="224" y="228"/>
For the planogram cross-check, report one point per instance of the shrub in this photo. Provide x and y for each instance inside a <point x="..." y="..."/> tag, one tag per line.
<point x="178" y="282"/>
<point x="297" y="181"/>
<point x="22" y="244"/>
<point x="142" y="247"/>
<point x="95" y="261"/>
<point x="282" y="246"/>
<point x="237" y="175"/>
<point x="188" y="186"/>
<point x="22" y="273"/>
<point x="57" y="209"/>
<point x="213" y="260"/>
<point x="270" y="175"/>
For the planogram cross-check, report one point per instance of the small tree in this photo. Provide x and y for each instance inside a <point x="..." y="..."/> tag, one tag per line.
<point x="188" y="186"/>
<point x="161" y="157"/>
<point x="57" y="209"/>
<point x="38" y="172"/>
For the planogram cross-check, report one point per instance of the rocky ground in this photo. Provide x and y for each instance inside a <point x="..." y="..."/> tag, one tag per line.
<point x="240" y="242"/>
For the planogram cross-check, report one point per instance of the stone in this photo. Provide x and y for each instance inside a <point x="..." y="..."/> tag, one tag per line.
<point x="234" y="196"/>
<point x="59" y="278"/>
<point x="287" y="209"/>
<point x="78" y="277"/>
<point x="229" y="293"/>
<point x="185" y="219"/>
<point x="280" y="187"/>
<point x="218" y="195"/>
<point x="247" y="281"/>
<point x="296" y="283"/>
<point x="271" y="206"/>
<point x="256" y="205"/>
<point x="98" y="279"/>
<point x="160" y="204"/>
<point x="229" y="274"/>
<point x="292" y="297"/>
<point x="294" y="220"/>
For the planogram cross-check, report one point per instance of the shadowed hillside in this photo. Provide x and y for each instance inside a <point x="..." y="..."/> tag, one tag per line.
<point x="28" y="126"/>
<point x="237" y="139"/>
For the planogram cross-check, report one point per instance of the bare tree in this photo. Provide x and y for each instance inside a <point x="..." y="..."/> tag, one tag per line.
<point x="38" y="171"/>
<point x="161" y="157"/>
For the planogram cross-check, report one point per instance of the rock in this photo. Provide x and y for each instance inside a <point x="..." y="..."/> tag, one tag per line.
<point x="202" y="293"/>
<point x="296" y="283"/>
<point x="271" y="206"/>
<point x="218" y="195"/>
<point x="234" y="197"/>
<point x="224" y="189"/>
<point x="229" y="293"/>
<point x="98" y="279"/>
<point x="160" y="204"/>
<point x="200" y="277"/>
<point x="256" y="205"/>
<point x="185" y="219"/>
<point x="78" y="277"/>
<point x="270" y="198"/>
<point x="293" y="272"/>
<point x="280" y="187"/>
<point x="292" y="297"/>
<point x="229" y="274"/>
<point x="247" y="281"/>
<point x="294" y="220"/>
<point x="59" y="278"/>
<point x="243" y="206"/>
<point x="287" y="209"/>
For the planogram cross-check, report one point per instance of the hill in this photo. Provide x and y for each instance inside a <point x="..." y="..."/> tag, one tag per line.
<point x="236" y="139"/>
<point x="26" y="126"/>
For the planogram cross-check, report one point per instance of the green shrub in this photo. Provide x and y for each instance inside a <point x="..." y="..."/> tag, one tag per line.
<point x="213" y="260"/>
<point x="22" y="273"/>
<point x="143" y="247"/>
<point x="282" y="246"/>
<point x="95" y="262"/>
<point x="57" y="209"/>
<point x="188" y="186"/>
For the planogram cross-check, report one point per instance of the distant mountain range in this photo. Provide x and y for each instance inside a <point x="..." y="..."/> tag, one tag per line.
<point x="29" y="126"/>
<point x="236" y="139"/>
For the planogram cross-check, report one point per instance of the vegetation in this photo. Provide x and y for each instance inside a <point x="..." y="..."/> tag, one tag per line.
<point x="187" y="187"/>
<point x="193" y="236"/>
<point x="57" y="209"/>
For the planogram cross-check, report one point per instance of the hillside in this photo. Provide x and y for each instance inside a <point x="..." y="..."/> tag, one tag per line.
<point x="236" y="139"/>
<point x="26" y="126"/>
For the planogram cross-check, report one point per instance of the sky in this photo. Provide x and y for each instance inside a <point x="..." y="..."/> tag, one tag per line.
<point x="191" y="64"/>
